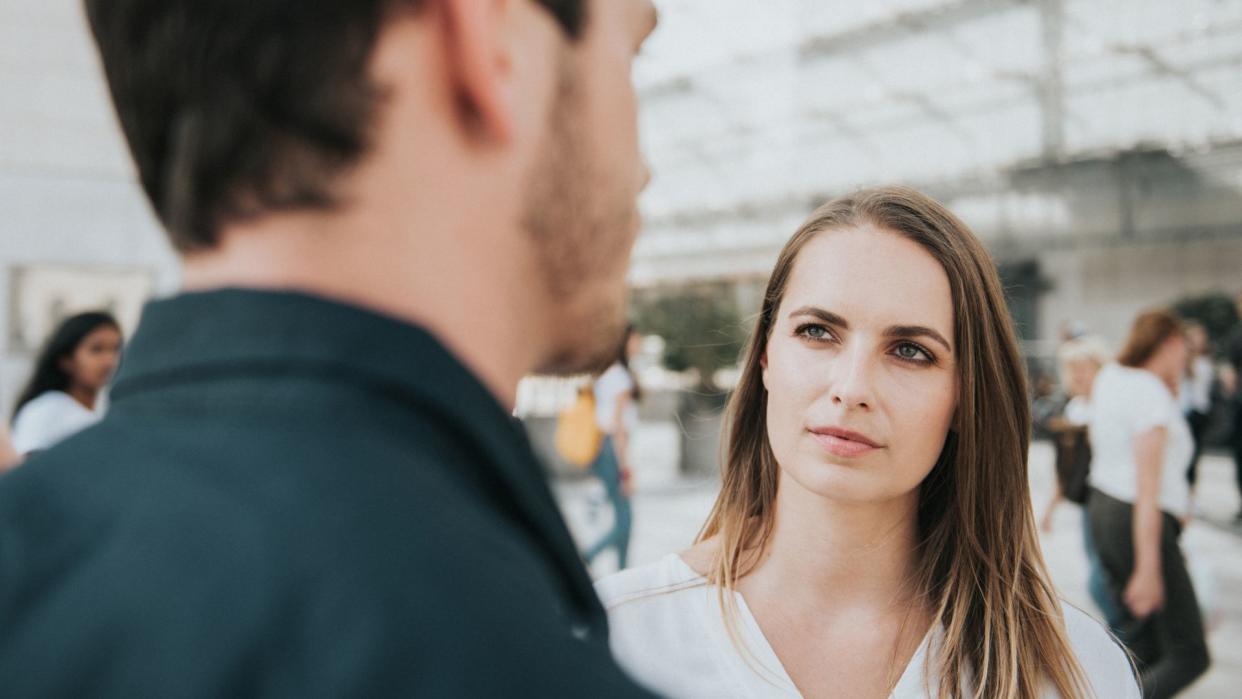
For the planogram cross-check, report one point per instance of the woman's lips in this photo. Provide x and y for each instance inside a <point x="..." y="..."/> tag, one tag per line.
<point x="843" y="444"/>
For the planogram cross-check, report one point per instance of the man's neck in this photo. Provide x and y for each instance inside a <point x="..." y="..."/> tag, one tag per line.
<point x="474" y="305"/>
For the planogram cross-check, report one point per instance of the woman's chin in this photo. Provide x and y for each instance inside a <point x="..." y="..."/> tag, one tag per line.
<point x="843" y="483"/>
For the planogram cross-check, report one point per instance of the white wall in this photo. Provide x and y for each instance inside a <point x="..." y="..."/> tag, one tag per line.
<point x="1106" y="287"/>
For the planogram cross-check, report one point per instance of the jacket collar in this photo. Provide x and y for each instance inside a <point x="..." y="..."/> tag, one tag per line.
<point x="234" y="330"/>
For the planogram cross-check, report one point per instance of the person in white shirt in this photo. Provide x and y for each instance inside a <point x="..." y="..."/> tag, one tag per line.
<point x="1140" y="447"/>
<point x="616" y="415"/>
<point x="70" y="373"/>
<point x="874" y="534"/>
<point x="1078" y="361"/>
<point x="1195" y="395"/>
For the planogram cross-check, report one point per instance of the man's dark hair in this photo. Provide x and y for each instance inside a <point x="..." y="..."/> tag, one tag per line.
<point x="233" y="108"/>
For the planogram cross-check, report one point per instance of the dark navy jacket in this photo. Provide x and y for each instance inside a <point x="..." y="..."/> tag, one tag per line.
<point x="291" y="497"/>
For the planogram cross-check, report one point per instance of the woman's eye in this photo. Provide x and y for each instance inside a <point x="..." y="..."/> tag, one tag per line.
<point x="912" y="353"/>
<point x="814" y="332"/>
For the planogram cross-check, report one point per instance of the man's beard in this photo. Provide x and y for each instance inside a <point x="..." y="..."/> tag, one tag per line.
<point x="579" y="217"/>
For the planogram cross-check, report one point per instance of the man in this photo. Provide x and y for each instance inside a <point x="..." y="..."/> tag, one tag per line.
<point x="1234" y="353"/>
<point x="309" y="483"/>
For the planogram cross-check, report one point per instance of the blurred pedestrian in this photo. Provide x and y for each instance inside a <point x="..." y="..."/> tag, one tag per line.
<point x="1141" y="446"/>
<point x="1080" y="361"/>
<point x="309" y="482"/>
<point x="616" y="413"/>
<point x="1234" y="355"/>
<point x="873" y="536"/>
<point x="63" y="395"/>
<point x="1195" y="395"/>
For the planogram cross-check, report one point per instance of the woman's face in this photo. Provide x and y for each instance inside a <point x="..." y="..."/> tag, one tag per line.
<point x="1081" y="375"/>
<point x="1196" y="340"/>
<point x="92" y="363"/>
<point x="1173" y="358"/>
<point x="860" y="369"/>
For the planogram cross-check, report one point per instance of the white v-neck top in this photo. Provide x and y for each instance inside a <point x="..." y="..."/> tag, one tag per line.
<point x="667" y="631"/>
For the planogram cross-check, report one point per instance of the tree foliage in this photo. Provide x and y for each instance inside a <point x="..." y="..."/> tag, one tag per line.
<point x="700" y="324"/>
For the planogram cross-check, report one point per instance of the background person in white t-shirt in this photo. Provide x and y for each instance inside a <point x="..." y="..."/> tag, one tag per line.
<point x="63" y="394"/>
<point x="1140" y="448"/>
<point x="616" y="413"/>
<point x="1078" y="361"/>
<point x="873" y="536"/>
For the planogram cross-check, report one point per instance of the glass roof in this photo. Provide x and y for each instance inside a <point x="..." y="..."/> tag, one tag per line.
<point x="749" y="106"/>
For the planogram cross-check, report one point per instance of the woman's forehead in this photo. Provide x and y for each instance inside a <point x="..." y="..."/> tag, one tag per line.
<point x="871" y="276"/>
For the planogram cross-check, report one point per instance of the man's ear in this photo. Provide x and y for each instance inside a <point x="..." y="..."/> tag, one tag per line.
<point x="480" y="64"/>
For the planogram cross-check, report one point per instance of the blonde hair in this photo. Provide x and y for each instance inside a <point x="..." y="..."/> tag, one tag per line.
<point x="980" y="566"/>
<point x="1083" y="349"/>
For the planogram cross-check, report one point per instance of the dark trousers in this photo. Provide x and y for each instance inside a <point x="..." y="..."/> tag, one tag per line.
<point x="1169" y="646"/>
<point x="1237" y="444"/>
<point x="1198" y="425"/>
<point x="608" y="469"/>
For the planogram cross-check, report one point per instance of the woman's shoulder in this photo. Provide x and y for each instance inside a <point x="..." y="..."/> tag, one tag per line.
<point x="665" y="628"/>
<point x="668" y="575"/>
<point x="48" y="401"/>
<point x="616" y="377"/>
<point x="1103" y="659"/>
<point x="46" y="419"/>
<point x="46" y="409"/>
<point x="1128" y="379"/>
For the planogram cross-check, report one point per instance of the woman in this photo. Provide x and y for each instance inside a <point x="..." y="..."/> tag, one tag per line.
<point x="1140" y="446"/>
<point x="1078" y="361"/>
<point x="62" y="396"/>
<point x="873" y="536"/>
<point x="616" y="414"/>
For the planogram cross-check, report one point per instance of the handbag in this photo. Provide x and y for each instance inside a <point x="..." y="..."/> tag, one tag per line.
<point x="1073" y="463"/>
<point x="578" y="438"/>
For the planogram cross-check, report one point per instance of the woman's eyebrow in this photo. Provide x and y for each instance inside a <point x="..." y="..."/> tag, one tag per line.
<point x="826" y="316"/>
<point x="897" y="331"/>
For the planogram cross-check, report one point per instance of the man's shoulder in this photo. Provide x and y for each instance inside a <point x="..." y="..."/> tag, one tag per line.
<point x="132" y="543"/>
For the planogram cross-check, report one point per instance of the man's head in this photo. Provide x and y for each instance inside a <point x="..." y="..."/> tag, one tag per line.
<point x="240" y="111"/>
<point x="236" y="109"/>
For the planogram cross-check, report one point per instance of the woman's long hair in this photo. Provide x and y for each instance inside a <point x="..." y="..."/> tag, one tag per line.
<point x="623" y="358"/>
<point x="1149" y="332"/>
<point x="63" y="343"/>
<point x="980" y="568"/>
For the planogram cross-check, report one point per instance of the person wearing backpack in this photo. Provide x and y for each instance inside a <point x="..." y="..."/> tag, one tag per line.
<point x="616" y="414"/>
